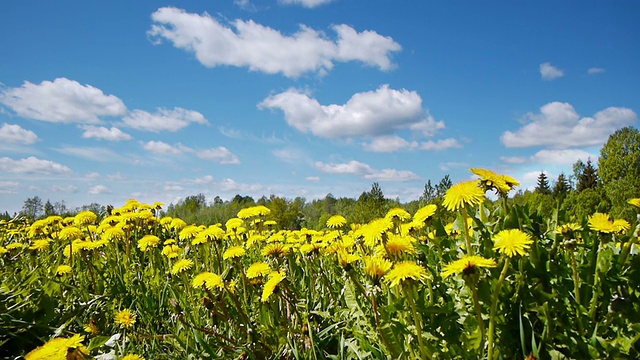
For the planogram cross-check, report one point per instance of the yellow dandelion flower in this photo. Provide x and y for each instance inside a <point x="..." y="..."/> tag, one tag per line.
<point x="57" y="348"/>
<point x="233" y="224"/>
<point x="70" y="233"/>
<point x="397" y="245"/>
<point x="425" y="213"/>
<point x="398" y="214"/>
<point x="181" y="265"/>
<point x="601" y="223"/>
<point x="208" y="280"/>
<point x="85" y="218"/>
<point x="468" y="264"/>
<point x="125" y="318"/>
<point x="512" y="242"/>
<point x="373" y="231"/>
<point x="234" y="252"/>
<point x="171" y="251"/>
<point x="177" y="224"/>
<point x="39" y="245"/>
<point x="14" y="246"/>
<point x="258" y="269"/>
<point x="276" y="250"/>
<point x="404" y="271"/>
<point x="132" y="357"/>
<point x="336" y="222"/>
<point x="463" y="194"/>
<point x="275" y="278"/>
<point x="376" y="266"/>
<point x="147" y="242"/>
<point x="567" y="230"/>
<point x="189" y="232"/>
<point x="63" y="270"/>
<point x="502" y="184"/>
<point x="113" y="234"/>
<point x="635" y="202"/>
<point x="270" y="223"/>
<point x="3" y="250"/>
<point x="620" y="226"/>
<point x="346" y="258"/>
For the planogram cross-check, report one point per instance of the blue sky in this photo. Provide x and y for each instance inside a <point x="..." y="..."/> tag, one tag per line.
<point x="153" y="100"/>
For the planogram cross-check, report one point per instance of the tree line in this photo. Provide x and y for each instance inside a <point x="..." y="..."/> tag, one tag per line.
<point x="604" y="187"/>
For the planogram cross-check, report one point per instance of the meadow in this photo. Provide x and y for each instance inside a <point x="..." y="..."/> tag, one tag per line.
<point x="501" y="281"/>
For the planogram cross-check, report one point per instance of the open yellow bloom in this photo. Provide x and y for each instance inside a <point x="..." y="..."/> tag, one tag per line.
<point x="406" y="270"/>
<point x="132" y="357"/>
<point x="399" y="214"/>
<point x="208" y="280"/>
<point x="346" y="258"/>
<point x="258" y="269"/>
<point x="601" y="222"/>
<point x="57" y="348"/>
<point x="397" y="245"/>
<point x="275" y="278"/>
<point x="63" y="270"/>
<point x="336" y="221"/>
<point x="125" y="318"/>
<point x="635" y="202"/>
<point x="463" y="194"/>
<point x="376" y="266"/>
<point x="502" y="184"/>
<point x="512" y="242"/>
<point x="467" y="264"/>
<point x="425" y="213"/>
<point x="233" y="252"/>
<point x="147" y="242"/>
<point x="181" y="265"/>
<point x="85" y="218"/>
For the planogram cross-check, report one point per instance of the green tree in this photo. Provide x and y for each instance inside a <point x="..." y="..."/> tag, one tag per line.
<point x="429" y="193"/>
<point x="49" y="209"/>
<point x="542" y="186"/>
<point x="32" y="207"/>
<point x="444" y="185"/>
<point x="619" y="167"/>
<point x="587" y="175"/>
<point x="561" y="188"/>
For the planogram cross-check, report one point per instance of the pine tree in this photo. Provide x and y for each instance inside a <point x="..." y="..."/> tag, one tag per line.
<point x="543" y="184"/>
<point x="561" y="188"/>
<point x="588" y="177"/>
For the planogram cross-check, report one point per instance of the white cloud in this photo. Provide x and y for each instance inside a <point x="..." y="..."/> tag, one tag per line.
<point x="392" y="175"/>
<point x="312" y="178"/>
<point x="116" y="176"/>
<point x="560" y="126"/>
<point x="371" y="113"/>
<point x="261" y="48"/>
<point x="229" y="185"/>
<point x="99" y="189"/>
<point x="427" y="127"/>
<point x="207" y="179"/>
<point x="15" y="134"/>
<point x="91" y="153"/>
<point x="9" y="187"/>
<point x="440" y="145"/>
<point x="357" y="168"/>
<point x="173" y="187"/>
<point x="552" y="157"/>
<point x="446" y="166"/>
<point x="595" y="70"/>
<point x="32" y="165"/>
<point x="163" y="119"/>
<point x="101" y="132"/>
<point x="387" y="144"/>
<point x="161" y="148"/>
<point x="291" y="155"/>
<point x="62" y="101"/>
<point x="92" y="175"/>
<point x="550" y="72"/>
<point x="65" y="188"/>
<point x="305" y="3"/>
<point x="220" y="155"/>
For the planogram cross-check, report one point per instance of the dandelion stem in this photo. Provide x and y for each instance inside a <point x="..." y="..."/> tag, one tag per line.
<point x="593" y="306"/>
<point x="476" y="303"/>
<point x="576" y="290"/>
<point x="424" y="353"/>
<point x="466" y="230"/>
<point x="494" y="306"/>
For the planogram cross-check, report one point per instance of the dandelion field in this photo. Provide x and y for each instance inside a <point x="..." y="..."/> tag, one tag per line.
<point x="500" y="281"/>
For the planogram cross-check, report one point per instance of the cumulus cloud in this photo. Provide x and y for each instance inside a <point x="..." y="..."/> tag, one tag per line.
<point x="230" y="185"/>
<point x="15" y="134"/>
<point x="595" y="70"/>
<point x="207" y="179"/>
<point x="550" y="72"/>
<point x="65" y="188"/>
<point x="103" y="133"/>
<point x="99" y="189"/>
<point x="305" y="3"/>
<point x="261" y="48"/>
<point x="312" y="178"/>
<point x="552" y="156"/>
<point x="163" y="119"/>
<point x="161" y="148"/>
<point x="559" y="125"/>
<point x="371" y="113"/>
<point x="9" y="187"/>
<point x="32" y="165"/>
<point x="393" y="143"/>
<point x="62" y="101"/>
<point x="220" y="155"/>
<point x="358" y="168"/>
<point x="91" y="153"/>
